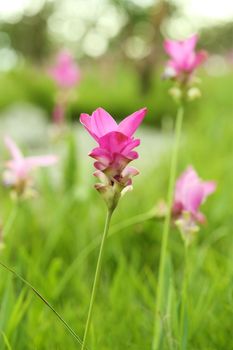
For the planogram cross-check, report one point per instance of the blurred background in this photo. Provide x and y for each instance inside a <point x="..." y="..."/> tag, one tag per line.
<point x="117" y="44"/>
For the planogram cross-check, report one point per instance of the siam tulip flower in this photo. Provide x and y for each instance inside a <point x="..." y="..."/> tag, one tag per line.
<point x="183" y="57"/>
<point x="18" y="169"/>
<point x="190" y="193"/>
<point x="114" y="152"/>
<point x="66" y="75"/>
<point x="65" y="72"/>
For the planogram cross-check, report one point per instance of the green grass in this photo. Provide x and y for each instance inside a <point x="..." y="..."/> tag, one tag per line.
<point x="47" y="246"/>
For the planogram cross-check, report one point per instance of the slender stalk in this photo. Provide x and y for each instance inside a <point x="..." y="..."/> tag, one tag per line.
<point x="183" y="333"/>
<point x="96" y="242"/>
<point x="72" y="332"/>
<point x="158" y="331"/>
<point x="97" y="277"/>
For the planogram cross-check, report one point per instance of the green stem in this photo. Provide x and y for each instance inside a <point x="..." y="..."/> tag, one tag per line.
<point x="95" y="243"/>
<point x="158" y="331"/>
<point x="72" y="332"/>
<point x="183" y="329"/>
<point x="97" y="277"/>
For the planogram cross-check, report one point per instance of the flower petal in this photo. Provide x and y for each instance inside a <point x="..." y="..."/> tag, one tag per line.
<point x="129" y="172"/>
<point x="13" y="148"/>
<point x="172" y="48"/>
<point x="85" y="120"/>
<point x="102" y="123"/>
<point x="40" y="161"/>
<point x="200" y="57"/>
<point x="190" y="43"/>
<point x="101" y="155"/>
<point x="209" y="187"/>
<point x="114" y="142"/>
<point x="193" y="197"/>
<point x="130" y="124"/>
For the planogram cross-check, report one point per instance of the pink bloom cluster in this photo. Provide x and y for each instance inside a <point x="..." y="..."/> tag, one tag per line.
<point x="18" y="169"/>
<point x="183" y="57"/>
<point x="190" y="193"/>
<point x="65" y="72"/>
<point x="115" y="147"/>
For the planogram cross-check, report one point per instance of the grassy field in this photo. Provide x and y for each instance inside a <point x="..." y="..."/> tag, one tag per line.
<point x="52" y="242"/>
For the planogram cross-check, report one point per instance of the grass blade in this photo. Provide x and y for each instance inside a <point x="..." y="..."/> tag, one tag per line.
<point x="71" y="331"/>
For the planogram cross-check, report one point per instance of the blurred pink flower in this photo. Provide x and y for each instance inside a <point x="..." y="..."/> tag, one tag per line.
<point x="190" y="193"/>
<point x="115" y="146"/>
<point x="183" y="57"/>
<point x="19" y="167"/>
<point x="65" y="72"/>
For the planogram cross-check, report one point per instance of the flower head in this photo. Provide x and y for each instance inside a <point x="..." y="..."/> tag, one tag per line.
<point x="115" y="150"/>
<point x="183" y="57"/>
<point x="65" y="72"/>
<point x="18" y="169"/>
<point x="190" y="193"/>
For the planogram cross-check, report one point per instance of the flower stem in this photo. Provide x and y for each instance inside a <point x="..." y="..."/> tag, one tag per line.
<point x="72" y="332"/>
<point x="183" y="323"/>
<point x="158" y="331"/>
<point x="96" y="242"/>
<point x="97" y="277"/>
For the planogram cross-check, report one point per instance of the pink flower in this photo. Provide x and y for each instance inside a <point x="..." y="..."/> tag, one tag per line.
<point x="190" y="193"/>
<point x="65" y="72"/>
<point x="19" y="167"/>
<point x="115" y="146"/>
<point x="183" y="57"/>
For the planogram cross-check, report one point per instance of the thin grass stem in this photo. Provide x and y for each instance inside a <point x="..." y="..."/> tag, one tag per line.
<point x="97" y="277"/>
<point x="183" y="323"/>
<point x="159" y="313"/>
<point x="72" y="332"/>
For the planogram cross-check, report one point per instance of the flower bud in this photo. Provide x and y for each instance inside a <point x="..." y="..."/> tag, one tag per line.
<point x="193" y="93"/>
<point x="187" y="227"/>
<point x="176" y="93"/>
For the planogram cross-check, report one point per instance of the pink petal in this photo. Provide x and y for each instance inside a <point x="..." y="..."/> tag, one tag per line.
<point x="172" y="48"/>
<point x="129" y="172"/>
<point x="102" y="123"/>
<point x="132" y="155"/>
<point x="130" y="124"/>
<point x="200" y="217"/>
<point x="209" y="187"/>
<point x="114" y="142"/>
<point x="101" y="155"/>
<point x="85" y="120"/>
<point x="101" y="176"/>
<point x="190" y="43"/>
<point x="100" y="166"/>
<point x="200" y="57"/>
<point x="40" y="161"/>
<point x="13" y="148"/>
<point x="194" y="196"/>
<point x="118" y="164"/>
<point x="130" y="146"/>
<point x="187" y="177"/>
